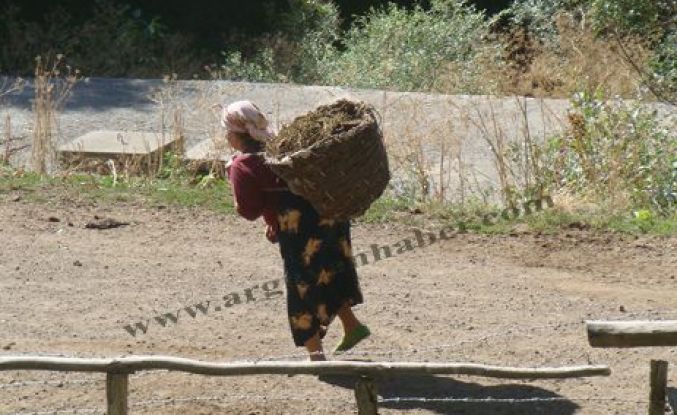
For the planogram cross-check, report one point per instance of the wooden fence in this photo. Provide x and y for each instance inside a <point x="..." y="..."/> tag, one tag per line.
<point x="118" y="371"/>
<point x="640" y="334"/>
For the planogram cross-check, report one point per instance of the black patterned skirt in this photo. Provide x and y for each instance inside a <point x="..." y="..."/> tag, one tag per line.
<point x="318" y="266"/>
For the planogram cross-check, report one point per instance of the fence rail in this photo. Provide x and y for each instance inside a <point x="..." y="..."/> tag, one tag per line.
<point x="632" y="333"/>
<point x="118" y="370"/>
<point x="626" y="334"/>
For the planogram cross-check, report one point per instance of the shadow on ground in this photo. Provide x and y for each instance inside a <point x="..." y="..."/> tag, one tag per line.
<point x="97" y="94"/>
<point x="433" y="387"/>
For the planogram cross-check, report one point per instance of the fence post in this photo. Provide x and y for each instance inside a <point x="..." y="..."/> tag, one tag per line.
<point x="659" y="383"/>
<point x="365" y="394"/>
<point x="116" y="393"/>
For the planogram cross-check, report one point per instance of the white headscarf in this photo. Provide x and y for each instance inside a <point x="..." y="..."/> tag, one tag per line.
<point x="246" y="117"/>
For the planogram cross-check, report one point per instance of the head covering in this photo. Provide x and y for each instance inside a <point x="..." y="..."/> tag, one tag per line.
<point x="246" y="117"/>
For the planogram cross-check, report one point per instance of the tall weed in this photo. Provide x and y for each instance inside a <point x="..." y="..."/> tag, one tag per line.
<point x="617" y="152"/>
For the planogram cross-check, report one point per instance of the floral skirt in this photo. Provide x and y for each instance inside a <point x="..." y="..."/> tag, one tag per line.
<point x="318" y="266"/>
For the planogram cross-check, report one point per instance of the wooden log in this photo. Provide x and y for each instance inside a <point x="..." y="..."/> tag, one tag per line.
<point x="133" y="364"/>
<point x="659" y="386"/>
<point x="366" y="396"/>
<point x="632" y="333"/>
<point x="116" y="393"/>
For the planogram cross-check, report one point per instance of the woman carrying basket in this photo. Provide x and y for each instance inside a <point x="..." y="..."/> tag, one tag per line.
<point x="319" y="271"/>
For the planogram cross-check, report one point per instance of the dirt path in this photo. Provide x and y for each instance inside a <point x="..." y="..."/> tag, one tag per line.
<point x="509" y="300"/>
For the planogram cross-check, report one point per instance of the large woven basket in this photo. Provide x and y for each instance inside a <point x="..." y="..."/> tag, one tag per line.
<point x="343" y="175"/>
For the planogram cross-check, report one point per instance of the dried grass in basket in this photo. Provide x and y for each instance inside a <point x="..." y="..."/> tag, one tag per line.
<point x="334" y="157"/>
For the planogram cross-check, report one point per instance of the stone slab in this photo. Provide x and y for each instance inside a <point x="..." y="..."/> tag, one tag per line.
<point x="207" y="151"/>
<point x="110" y="142"/>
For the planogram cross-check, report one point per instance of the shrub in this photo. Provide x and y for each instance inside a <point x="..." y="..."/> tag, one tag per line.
<point x="649" y="18"/>
<point x="395" y="48"/>
<point x="116" y="41"/>
<point x="618" y="152"/>
<point x="303" y="41"/>
<point x="575" y="59"/>
<point x="538" y="16"/>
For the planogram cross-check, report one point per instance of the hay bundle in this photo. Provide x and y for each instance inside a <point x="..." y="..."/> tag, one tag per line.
<point x="333" y="157"/>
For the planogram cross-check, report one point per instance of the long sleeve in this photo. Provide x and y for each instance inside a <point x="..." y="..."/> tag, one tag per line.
<point x="249" y="176"/>
<point x="249" y="199"/>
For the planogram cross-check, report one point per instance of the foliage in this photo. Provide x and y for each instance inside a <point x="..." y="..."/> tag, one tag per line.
<point x="538" y="16"/>
<point x="664" y="66"/>
<point x="150" y="192"/>
<point x="304" y="37"/>
<point x="260" y="68"/>
<point x="116" y="40"/>
<point x="316" y="43"/>
<point x="614" y="151"/>
<point x="395" y="48"/>
<point x="646" y="17"/>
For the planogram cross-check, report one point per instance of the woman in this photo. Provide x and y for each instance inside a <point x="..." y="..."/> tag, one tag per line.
<point x="319" y="271"/>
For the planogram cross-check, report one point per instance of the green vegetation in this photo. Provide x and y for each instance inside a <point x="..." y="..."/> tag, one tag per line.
<point x="532" y="47"/>
<point x="213" y="194"/>
<point x="406" y="49"/>
<point x="617" y="152"/>
<point x="535" y="47"/>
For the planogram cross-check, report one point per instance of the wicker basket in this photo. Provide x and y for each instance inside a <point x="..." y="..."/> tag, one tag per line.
<point x="343" y="175"/>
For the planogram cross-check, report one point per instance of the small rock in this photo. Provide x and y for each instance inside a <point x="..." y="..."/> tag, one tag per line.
<point x="621" y="309"/>
<point x="53" y="219"/>
<point x="578" y="225"/>
<point x="16" y="198"/>
<point x="105" y="223"/>
<point x="520" y="228"/>
<point x="77" y="263"/>
<point x="8" y="346"/>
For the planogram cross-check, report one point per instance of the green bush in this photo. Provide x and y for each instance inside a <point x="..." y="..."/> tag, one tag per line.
<point x="260" y="68"/>
<point x="664" y="67"/>
<point x="116" y="41"/>
<point x="303" y="40"/>
<point x="615" y="151"/>
<point x="645" y="17"/>
<point x="538" y="16"/>
<point x="401" y="49"/>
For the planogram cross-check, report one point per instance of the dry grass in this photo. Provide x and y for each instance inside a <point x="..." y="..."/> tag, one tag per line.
<point x="319" y="125"/>
<point x="578" y="60"/>
<point x="9" y="86"/>
<point x="424" y="161"/>
<point x="53" y="83"/>
<point x="8" y="140"/>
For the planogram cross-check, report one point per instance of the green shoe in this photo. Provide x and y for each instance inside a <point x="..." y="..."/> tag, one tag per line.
<point x="360" y="333"/>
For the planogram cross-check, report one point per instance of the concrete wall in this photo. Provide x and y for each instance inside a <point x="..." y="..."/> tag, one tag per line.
<point x="443" y="126"/>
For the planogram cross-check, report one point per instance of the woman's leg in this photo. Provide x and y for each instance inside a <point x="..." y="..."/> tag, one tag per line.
<point x="353" y="331"/>
<point x="348" y="319"/>
<point x="314" y="347"/>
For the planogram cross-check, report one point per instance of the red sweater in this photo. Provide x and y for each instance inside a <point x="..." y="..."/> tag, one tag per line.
<point x="249" y="177"/>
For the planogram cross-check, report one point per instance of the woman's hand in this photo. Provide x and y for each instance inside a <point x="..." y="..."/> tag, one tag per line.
<point x="271" y="233"/>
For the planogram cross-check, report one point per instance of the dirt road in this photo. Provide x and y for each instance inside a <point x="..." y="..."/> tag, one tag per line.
<point x="515" y="300"/>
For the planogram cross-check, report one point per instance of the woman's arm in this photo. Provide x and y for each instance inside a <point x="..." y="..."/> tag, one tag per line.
<point x="248" y="195"/>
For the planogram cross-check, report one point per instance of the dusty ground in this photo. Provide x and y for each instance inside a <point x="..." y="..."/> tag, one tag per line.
<point x="508" y="300"/>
